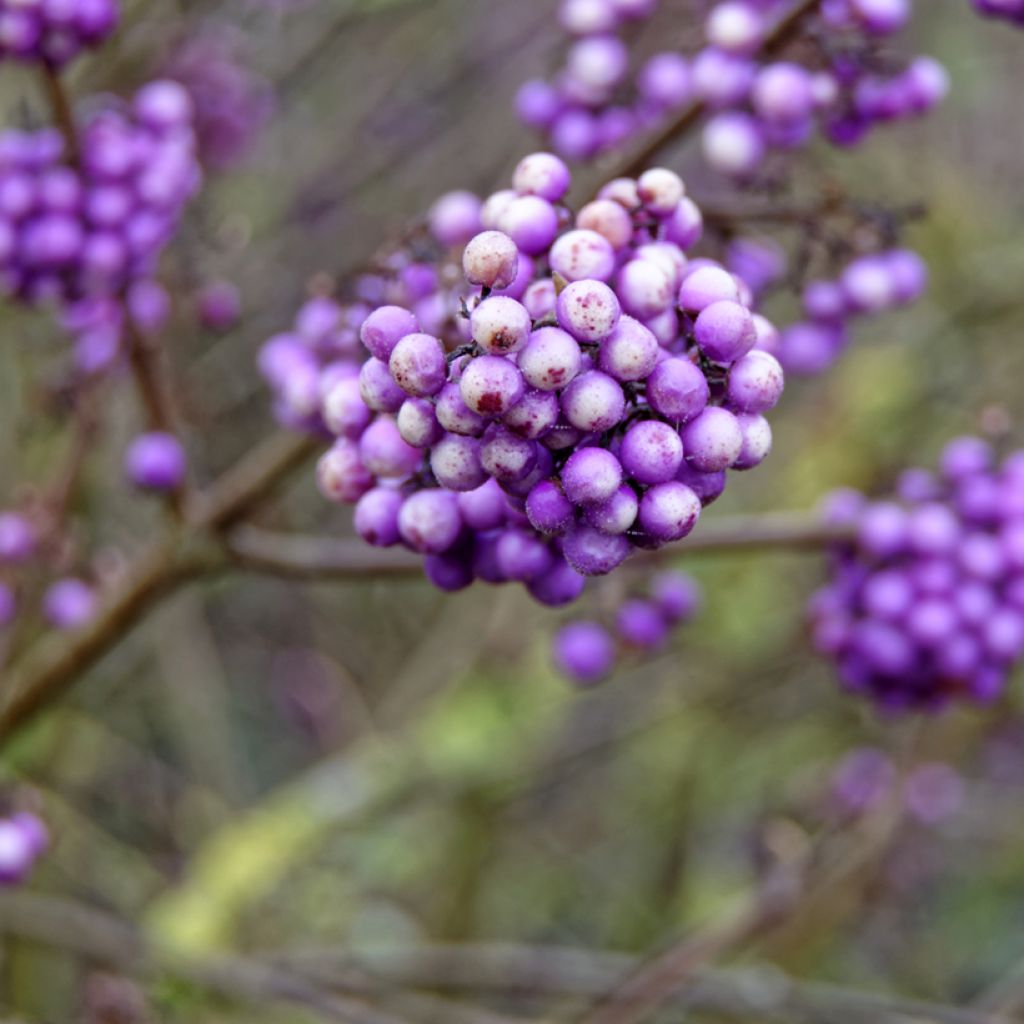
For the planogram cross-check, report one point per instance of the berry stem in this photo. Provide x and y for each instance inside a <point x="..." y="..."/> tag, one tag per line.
<point x="154" y="393"/>
<point x="63" y="116"/>
<point x="206" y="548"/>
<point x="302" y="557"/>
<point x="799" y="882"/>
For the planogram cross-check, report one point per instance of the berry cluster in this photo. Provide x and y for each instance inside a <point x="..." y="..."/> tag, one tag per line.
<point x="232" y="104"/>
<point x="586" y="652"/>
<point x="597" y="387"/>
<point x="90" y="230"/>
<point x="23" y="840"/>
<point x="302" y="364"/>
<point x="582" y="112"/>
<point x="926" y="601"/>
<point x="844" y="83"/>
<point x="54" y="31"/>
<point x="1008" y="10"/>
<point x="868" y="286"/>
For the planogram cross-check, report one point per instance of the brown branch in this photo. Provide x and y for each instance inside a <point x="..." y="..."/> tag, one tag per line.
<point x="657" y="982"/>
<point x="312" y="557"/>
<point x="154" y="392"/>
<point x="86" y="421"/>
<point x="781" y="35"/>
<point x="116" y="945"/>
<point x="834" y="204"/>
<point x="150" y="380"/>
<point x="251" y="480"/>
<point x="789" y="892"/>
<point x="62" y="113"/>
<point x="300" y="557"/>
<point x="556" y="972"/>
<point x="783" y="531"/>
<point x="51" y="670"/>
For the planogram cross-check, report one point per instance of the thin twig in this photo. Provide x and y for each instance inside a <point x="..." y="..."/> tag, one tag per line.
<point x="150" y="381"/>
<point x="62" y="113"/>
<point x="788" y="893"/>
<point x="251" y="479"/>
<point x="50" y="672"/>
<point x="154" y="392"/>
<point x="107" y="941"/>
<point x="313" y="557"/>
<point x="657" y="982"/>
<point x="49" y="669"/>
<point x="783" y="531"/>
<point x="303" y="557"/>
<point x="554" y="972"/>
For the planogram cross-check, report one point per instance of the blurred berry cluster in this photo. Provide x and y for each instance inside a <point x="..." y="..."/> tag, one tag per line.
<point x="844" y="82"/>
<point x="926" y="600"/>
<point x="232" y="104"/>
<point x="868" y="286"/>
<point x="54" y="31"/>
<point x="79" y="231"/>
<point x="71" y="231"/>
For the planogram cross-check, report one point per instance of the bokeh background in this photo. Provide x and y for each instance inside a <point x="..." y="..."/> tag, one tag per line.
<point x="277" y="770"/>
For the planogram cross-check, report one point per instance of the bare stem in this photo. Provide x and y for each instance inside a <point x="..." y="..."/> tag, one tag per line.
<point x="51" y="667"/>
<point x="804" y="216"/>
<point x="202" y="550"/>
<point x="324" y="558"/>
<point x="119" y="946"/>
<point x="790" y="891"/>
<point x="556" y="972"/>
<point x="151" y="383"/>
<point x="62" y="113"/>
<point x="251" y="480"/>
<point x="302" y="557"/>
<point x="149" y="380"/>
<point x="782" y="531"/>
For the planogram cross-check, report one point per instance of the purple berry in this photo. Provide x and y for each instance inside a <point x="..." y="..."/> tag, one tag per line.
<point x="551" y="359"/>
<point x="591" y="475"/>
<point x="156" y="462"/>
<point x="588" y="310"/>
<point x="584" y="652"/>
<point x="713" y="440"/>
<point x="376" y="517"/>
<point x="651" y="452"/>
<point x="491" y="260"/>
<point x="491" y="385"/>
<point x="669" y="511"/>
<point x="430" y="521"/>
<point x="500" y="325"/>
